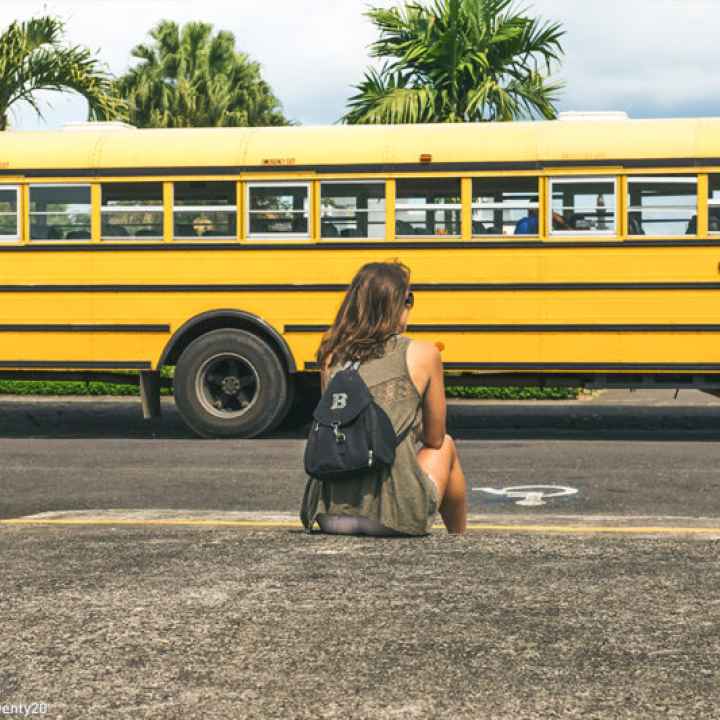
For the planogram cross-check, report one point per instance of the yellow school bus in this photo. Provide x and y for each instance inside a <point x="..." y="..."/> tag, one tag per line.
<point x="582" y="251"/>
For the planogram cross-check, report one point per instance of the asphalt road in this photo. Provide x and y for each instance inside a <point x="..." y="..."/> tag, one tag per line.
<point x="218" y="623"/>
<point x="625" y="453"/>
<point x="262" y="622"/>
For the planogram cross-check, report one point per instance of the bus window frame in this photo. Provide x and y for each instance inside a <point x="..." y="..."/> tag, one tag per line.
<point x="18" y="214"/>
<point x="208" y="208"/>
<point x="455" y="207"/>
<point x="575" y="233"/>
<point x="537" y="205"/>
<point x="354" y="181"/>
<point x="49" y="241"/>
<point x="300" y="237"/>
<point x="658" y="176"/>
<point x="711" y="202"/>
<point x="132" y="208"/>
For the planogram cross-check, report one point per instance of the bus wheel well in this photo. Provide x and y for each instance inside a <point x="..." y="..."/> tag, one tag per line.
<point x="226" y="319"/>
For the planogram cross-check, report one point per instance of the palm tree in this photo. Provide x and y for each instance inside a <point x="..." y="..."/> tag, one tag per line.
<point x="188" y="78"/>
<point x="33" y="57"/>
<point x="458" y="61"/>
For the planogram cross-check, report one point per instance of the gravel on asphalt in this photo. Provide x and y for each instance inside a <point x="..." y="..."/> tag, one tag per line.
<point x="128" y="622"/>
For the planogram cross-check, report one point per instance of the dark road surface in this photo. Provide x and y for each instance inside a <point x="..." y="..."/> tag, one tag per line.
<point x="659" y="458"/>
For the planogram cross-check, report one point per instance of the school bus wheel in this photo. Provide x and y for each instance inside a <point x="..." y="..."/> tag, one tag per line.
<point x="305" y="399"/>
<point x="229" y="383"/>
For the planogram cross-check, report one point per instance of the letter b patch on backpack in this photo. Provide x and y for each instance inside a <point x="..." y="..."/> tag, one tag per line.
<point x="350" y="433"/>
<point x="339" y="401"/>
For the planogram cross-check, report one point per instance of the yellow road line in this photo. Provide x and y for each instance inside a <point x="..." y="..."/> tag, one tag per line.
<point x="570" y="529"/>
<point x="149" y="521"/>
<point x="566" y="529"/>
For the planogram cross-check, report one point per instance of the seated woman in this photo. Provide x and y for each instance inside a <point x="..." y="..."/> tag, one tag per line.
<point x="405" y="377"/>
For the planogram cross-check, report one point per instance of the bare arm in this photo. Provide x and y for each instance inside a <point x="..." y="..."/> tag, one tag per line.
<point x="434" y="407"/>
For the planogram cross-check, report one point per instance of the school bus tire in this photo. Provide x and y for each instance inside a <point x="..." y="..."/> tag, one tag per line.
<point x="279" y="420"/>
<point x="305" y="400"/>
<point x="230" y="384"/>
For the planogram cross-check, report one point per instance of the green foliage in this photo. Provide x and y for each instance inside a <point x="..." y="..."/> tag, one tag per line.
<point x="512" y="393"/>
<point x="189" y="78"/>
<point x="56" y="387"/>
<point x="72" y="387"/>
<point x="33" y="57"/>
<point x="458" y="61"/>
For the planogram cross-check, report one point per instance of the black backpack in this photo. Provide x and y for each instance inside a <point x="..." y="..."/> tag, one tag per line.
<point x="350" y="432"/>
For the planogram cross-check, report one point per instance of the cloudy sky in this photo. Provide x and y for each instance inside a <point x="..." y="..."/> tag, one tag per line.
<point x="651" y="58"/>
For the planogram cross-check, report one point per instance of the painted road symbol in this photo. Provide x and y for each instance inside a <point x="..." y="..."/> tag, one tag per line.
<point x="529" y="495"/>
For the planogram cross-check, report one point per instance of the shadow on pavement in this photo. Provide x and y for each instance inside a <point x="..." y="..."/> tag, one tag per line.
<point x="584" y="421"/>
<point x="122" y="419"/>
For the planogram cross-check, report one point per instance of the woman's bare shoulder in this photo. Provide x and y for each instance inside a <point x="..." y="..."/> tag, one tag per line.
<point x="423" y="352"/>
<point x="421" y="359"/>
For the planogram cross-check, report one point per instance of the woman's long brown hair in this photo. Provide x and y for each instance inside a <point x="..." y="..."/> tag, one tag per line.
<point x="369" y="314"/>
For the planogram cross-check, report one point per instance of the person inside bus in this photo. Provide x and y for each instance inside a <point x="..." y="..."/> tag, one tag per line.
<point x="559" y="222"/>
<point x="329" y="229"/>
<point x="635" y="224"/>
<point x="405" y="378"/>
<point x="529" y="224"/>
<point x="714" y="220"/>
<point x="713" y="223"/>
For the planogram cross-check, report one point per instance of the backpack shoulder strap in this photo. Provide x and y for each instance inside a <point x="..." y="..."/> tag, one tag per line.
<point x="399" y="438"/>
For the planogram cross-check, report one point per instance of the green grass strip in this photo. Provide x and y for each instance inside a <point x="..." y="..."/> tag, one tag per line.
<point x="512" y="393"/>
<point x="64" y="387"/>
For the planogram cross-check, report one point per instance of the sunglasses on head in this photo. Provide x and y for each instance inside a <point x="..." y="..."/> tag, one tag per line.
<point x="410" y="299"/>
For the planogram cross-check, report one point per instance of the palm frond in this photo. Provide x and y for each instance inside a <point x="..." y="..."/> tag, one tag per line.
<point x="33" y="58"/>
<point x="387" y="98"/>
<point x="458" y="60"/>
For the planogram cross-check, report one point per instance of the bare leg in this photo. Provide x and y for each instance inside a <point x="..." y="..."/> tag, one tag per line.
<point x="444" y="466"/>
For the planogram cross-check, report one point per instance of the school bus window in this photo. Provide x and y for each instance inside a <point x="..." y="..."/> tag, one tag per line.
<point x="132" y="210"/>
<point x="9" y="221"/>
<point x="204" y="209"/>
<point x="505" y="206"/>
<point x="60" y="212"/>
<point x="428" y="207"/>
<point x="662" y="205"/>
<point x="352" y="209"/>
<point x="582" y="206"/>
<point x="278" y="210"/>
<point x="714" y="203"/>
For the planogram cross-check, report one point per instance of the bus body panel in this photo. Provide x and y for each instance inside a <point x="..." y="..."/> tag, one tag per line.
<point x="281" y="148"/>
<point x="596" y="290"/>
<point x="489" y="305"/>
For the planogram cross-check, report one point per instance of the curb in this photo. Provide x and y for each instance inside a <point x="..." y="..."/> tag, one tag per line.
<point x="553" y="524"/>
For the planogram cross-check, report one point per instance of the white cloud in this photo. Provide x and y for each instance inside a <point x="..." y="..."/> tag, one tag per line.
<point x="650" y="57"/>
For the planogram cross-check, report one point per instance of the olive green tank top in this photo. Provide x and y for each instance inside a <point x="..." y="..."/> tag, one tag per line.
<point x="402" y="497"/>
